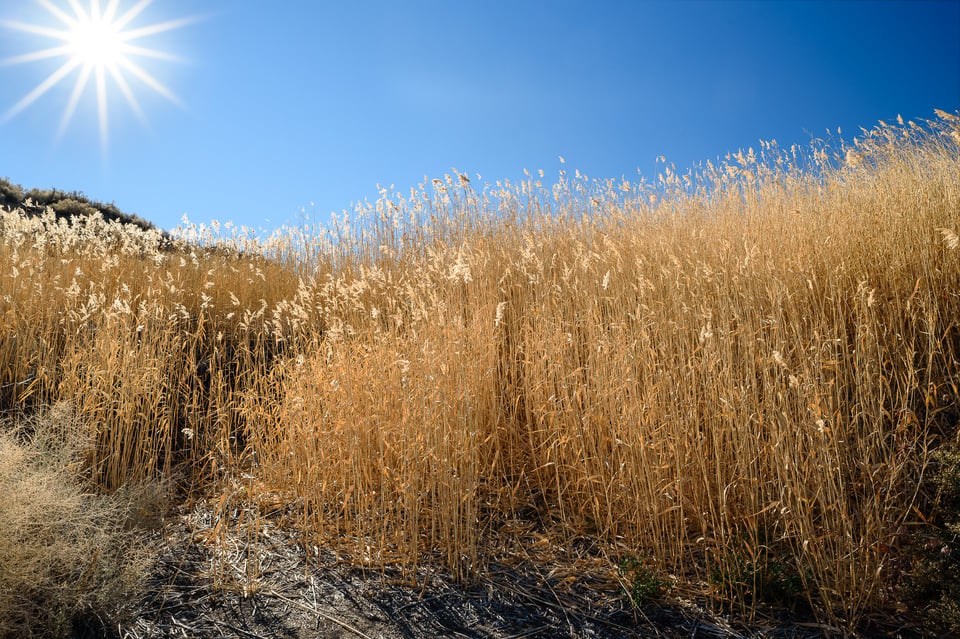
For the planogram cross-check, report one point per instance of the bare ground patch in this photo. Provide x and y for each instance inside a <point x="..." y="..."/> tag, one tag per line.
<point x="209" y="584"/>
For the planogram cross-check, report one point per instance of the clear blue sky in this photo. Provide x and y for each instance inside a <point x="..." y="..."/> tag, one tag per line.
<point x="288" y="103"/>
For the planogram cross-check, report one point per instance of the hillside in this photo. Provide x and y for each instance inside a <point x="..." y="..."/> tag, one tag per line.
<point x="65" y="204"/>
<point x="730" y="393"/>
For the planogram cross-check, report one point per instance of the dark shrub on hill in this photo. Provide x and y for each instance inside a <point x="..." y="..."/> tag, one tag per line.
<point x="64" y="204"/>
<point x="72" y="208"/>
<point x="11" y="195"/>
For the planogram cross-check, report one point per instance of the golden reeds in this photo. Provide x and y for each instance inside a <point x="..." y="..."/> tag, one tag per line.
<point x="738" y="372"/>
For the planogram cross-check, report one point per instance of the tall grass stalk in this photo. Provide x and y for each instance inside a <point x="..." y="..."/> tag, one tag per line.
<point x="738" y="372"/>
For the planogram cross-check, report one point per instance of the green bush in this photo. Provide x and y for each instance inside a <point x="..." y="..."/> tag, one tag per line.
<point x="644" y="583"/>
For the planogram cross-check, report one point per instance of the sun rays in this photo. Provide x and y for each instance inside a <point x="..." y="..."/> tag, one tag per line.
<point x="96" y="43"/>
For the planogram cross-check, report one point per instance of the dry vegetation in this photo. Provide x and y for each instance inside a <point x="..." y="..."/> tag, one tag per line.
<point x="69" y="559"/>
<point x="734" y="377"/>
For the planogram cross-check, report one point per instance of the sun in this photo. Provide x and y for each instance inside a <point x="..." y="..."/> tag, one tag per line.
<point x="97" y="43"/>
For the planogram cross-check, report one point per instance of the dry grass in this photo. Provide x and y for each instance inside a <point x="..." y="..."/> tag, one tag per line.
<point x="69" y="560"/>
<point x="737" y="373"/>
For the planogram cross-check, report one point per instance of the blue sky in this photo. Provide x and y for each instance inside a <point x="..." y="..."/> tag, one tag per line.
<point x="290" y="103"/>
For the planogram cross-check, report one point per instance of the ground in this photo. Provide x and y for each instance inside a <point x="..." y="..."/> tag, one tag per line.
<point x="200" y="588"/>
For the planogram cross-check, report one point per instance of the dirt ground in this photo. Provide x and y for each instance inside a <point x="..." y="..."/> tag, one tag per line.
<point x="207" y="584"/>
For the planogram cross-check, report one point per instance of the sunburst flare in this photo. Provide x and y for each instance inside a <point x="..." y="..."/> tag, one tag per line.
<point x="96" y="43"/>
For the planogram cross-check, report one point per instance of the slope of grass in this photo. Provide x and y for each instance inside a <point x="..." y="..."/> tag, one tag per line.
<point x="738" y="374"/>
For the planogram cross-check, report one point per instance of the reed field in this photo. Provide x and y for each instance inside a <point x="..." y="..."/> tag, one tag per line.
<point x="734" y="380"/>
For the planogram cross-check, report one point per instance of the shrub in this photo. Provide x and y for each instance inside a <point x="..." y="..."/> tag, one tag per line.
<point x="70" y="207"/>
<point x="11" y="195"/>
<point x="64" y="203"/>
<point x="68" y="559"/>
<point x="644" y="583"/>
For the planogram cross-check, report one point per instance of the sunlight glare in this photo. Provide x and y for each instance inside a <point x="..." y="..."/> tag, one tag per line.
<point x="96" y="43"/>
